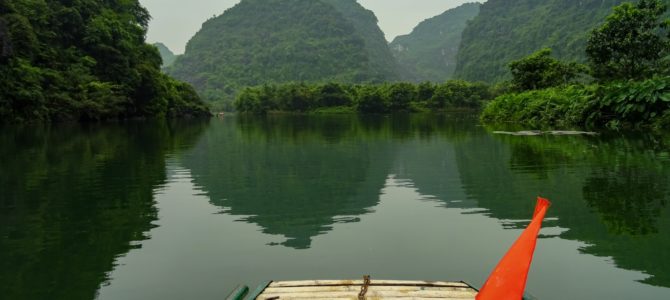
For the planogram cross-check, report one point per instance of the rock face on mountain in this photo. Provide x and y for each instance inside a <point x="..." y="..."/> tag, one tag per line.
<point x="274" y="41"/>
<point x="429" y="52"/>
<point x="507" y="30"/>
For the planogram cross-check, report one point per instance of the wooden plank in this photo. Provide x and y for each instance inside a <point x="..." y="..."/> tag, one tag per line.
<point x="374" y="294"/>
<point x="426" y="283"/>
<point x="350" y="288"/>
<point x="360" y="282"/>
<point x="314" y="283"/>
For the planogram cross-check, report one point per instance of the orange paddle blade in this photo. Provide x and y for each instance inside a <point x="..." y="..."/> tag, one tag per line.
<point x="508" y="279"/>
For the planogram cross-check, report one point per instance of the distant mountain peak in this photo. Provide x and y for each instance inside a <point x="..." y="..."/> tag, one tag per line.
<point x="166" y="54"/>
<point x="507" y="30"/>
<point x="274" y="41"/>
<point x="429" y="52"/>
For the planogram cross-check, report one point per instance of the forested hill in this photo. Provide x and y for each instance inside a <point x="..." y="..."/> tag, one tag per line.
<point x="83" y="60"/>
<point x="429" y="52"/>
<point x="273" y="41"/>
<point x="365" y="22"/>
<point x="507" y="30"/>
<point x="166" y="54"/>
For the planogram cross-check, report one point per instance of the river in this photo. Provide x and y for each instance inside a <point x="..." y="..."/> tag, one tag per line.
<point x="190" y="209"/>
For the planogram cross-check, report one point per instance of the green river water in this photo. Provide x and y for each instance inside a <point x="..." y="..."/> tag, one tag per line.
<point x="188" y="210"/>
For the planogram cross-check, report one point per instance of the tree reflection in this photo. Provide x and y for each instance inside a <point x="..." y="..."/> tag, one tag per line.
<point x="297" y="175"/>
<point x="293" y="176"/>
<point x="611" y="192"/>
<point x="75" y="198"/>
<point x="629" y="199"/>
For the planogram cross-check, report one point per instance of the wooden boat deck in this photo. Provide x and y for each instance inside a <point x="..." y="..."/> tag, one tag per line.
<point x="364" y="289"/>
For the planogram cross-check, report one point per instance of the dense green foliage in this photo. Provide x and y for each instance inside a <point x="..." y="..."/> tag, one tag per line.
<point x="276" y="41"/>
<point x="507" y="30"/>
<point x="383" y="98"/>
<point x="429" y="52"/>
<point x="630" y="102"/>
<point x="615" y="105"/>
<point x="633" y="87"/>
<point x="166" y="54"/>
<point x="381" y="63"/>
<point x="83" y="60"/>
<point x="540" y="70"/>
<point x="548" y="107"/>
<point x="631" y="44"/>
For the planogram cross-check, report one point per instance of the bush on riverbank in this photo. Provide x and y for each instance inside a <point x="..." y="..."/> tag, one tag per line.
<point x="562" y="106"/>
<point x="631" y="82"/>
<point x="662" y="122"/>
<point x="615" y="105"/>
<point x="382" y="98"/>
<point x="629" y="103"/>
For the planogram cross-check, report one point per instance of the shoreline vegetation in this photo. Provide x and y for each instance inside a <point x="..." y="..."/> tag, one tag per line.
<point x="363" y="98"/>
<point x="615" y="105"/>
<point x="88" y="61"/>
<point x="626" y="84"/>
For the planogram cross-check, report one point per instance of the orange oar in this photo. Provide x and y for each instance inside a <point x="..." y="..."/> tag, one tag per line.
<point x="508" y="279"/>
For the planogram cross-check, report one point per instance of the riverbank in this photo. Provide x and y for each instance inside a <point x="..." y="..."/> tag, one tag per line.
<point x="615" y="105"/>
<point x="363" y="98"/>
<point x="626" y="83"/>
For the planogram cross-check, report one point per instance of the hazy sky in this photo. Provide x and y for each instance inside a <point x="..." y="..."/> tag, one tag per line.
<point x="176" y="21"/>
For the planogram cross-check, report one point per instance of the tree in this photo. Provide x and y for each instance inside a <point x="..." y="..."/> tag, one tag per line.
<point x="425" y="91"/>
<point x="539" y="71"/>
<point x="333" y="94"/>
<point x="249" y="100"/>
<point x="370" y="100"/>
<point x="631" y="44"/>
<point x="400" y="95"/>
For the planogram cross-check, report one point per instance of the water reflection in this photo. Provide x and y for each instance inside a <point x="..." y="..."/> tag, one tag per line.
<point x="75" y="198"/>
<point x="293" y="177"/>
<point x="628" y="199"/>
<point x="610" y="192"/>
<point x="298" y="176"/>
<point x="367" y="193"/>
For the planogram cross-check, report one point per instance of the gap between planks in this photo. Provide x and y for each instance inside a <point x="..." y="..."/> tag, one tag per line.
<point x="307" y="283"/>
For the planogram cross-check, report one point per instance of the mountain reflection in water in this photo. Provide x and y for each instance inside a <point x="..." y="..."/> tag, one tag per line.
<point x="158" y="210"/>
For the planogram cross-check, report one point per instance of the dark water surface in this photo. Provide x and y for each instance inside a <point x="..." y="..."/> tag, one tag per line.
<point x="188" y="210"/>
